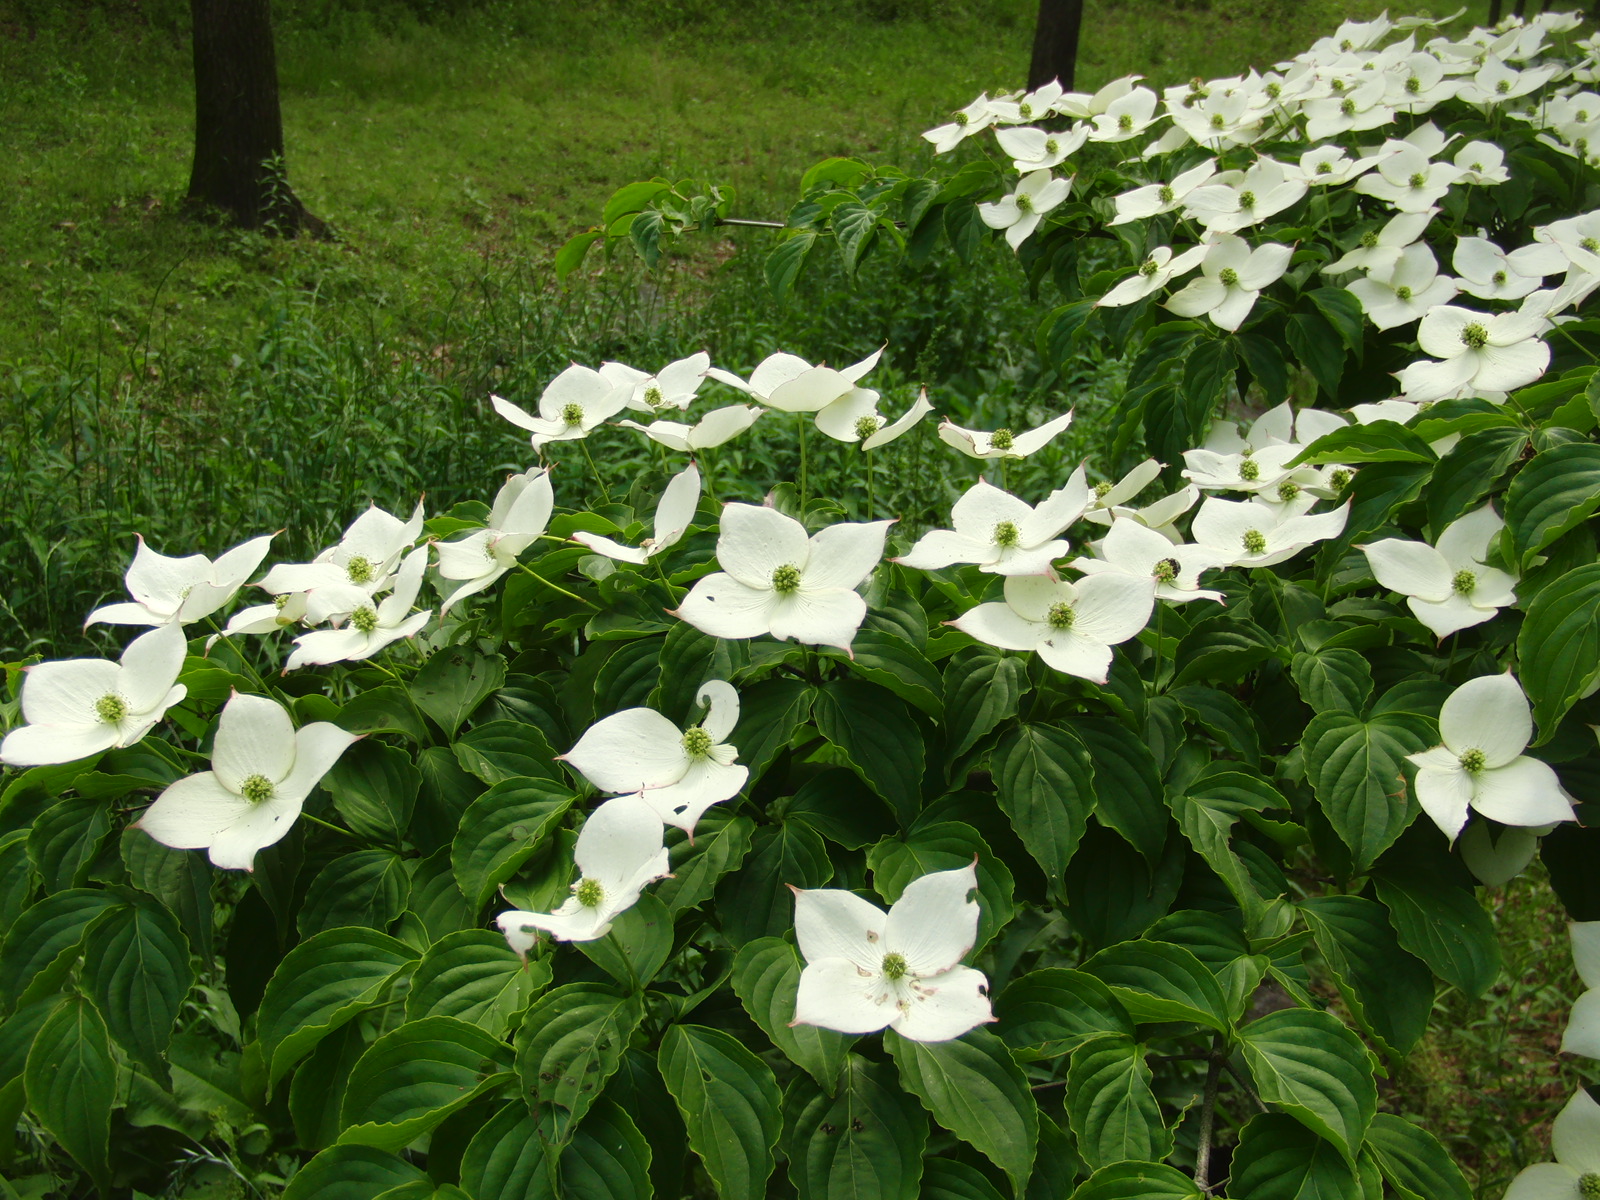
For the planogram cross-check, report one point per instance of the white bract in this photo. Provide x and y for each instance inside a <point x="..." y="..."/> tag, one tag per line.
<point x="672" y="387"/>
<point x="867" y="970"/>
<point x="854" y="417"/>
<point x="575" y="401"/>
<point x="972" y="119"/>
<point x="679" y="772"/>
<point x="1575" y="1139"/>
<point x="1479" y="352"/>
<point x="262" y="770"/>
<point x="1406" y="290"/>
<point x="1235" y="200"/>
<point x="1157" y="198"/>
<point x="1379" y="249"/>
<point x="789" y="383"/>
<point x="80" y="706"/>
<point x="1039" y="149"/>
<point x="520" y="513"/>
<point x="619" y="852"/>
<point x="369" y="625"/>
<point x="1072" y="626"/>
<point x="775" y="580"/>
<point x="365" y="557"/>
<point x="1002" y="534"/>
<point x="1158" y="268"/>
<point x="674" y="511"/>
<point x="1486" y="724"/>
<point x="1447" y="587"/>
<point x="1407" y="179"/>
<point x="1488" y="272"/>
<point x="1140" y="552"/>
<point x="716" y="427"/>
<point x="1020" y="212"/>
<point x="1253" y="533"/>
<point x="1002" y="443"/>
<point x="165" y="589"/>
<point x="1232" y="277"/>
<point x="1582" y="1034"/>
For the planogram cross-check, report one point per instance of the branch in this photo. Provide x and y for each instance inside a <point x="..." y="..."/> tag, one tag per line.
<point x="1208" y="1116"/>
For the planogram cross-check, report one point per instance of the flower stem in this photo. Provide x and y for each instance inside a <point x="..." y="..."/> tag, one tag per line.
<point x="557" y="588"/>
<point x="305" y="816"/>
<point x="1208" y="1114"/>
<point x="605" y="496"/>
<point x="801" y="417"/>
<point x="866" y="460"/>
<point x="672" y="593"/>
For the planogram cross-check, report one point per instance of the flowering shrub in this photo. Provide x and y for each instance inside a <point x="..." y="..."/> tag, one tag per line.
<point x="680" y="844"/>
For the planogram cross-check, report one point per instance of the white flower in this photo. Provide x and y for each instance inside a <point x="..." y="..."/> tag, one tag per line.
<point x="776" y="580"/>
<point x="1407" y="179"/>
<point x="1486" y="725"/>
<point x="679" y="772"/>
<point x="1582" y="1034"/>
<point x="365" y="557"/>
<point x="1488" y="272"/>
<point x="1235" y="200"/>
<point x="1135" y="550"/>
<point x="1379" y="249"/>
<point x="1246" y="470"/>
<point x="867" y="969"/>
<point x="80" y="706"/>
<point x="1252" y="533"/>
<point x="1106" y="500"/>
<point x="1002" y="443"/>
<point x="1497" y="854"/>
<point x="261" y="773"/>
<point x="1039" y="149"/>
<point x="1575" y="1139"/>
<point x="1004" y="535"/>
<point x="1153" y="274"/>
<point x="1279" y="426"/>
<point x="789" y="383"/>
<point x="575" y="401"/>
<point x="1495" y="83"/>
<point x="289" y="608"/>
<point x="1020" y="212"/>
<point x="1480" y="353"/>
<point x="1072" y="626"/>
<point x="716" y="427"/>
<point x="854" y="417"/>
<point x="1327" y="165"/>
<point x="619" y="851"/>
<point x="1447" y="587"/>
<point x="165" y="589"/>
<point x="674" y="386"/>
<point x="1126" y="117"/>
<point x="674" y="511"/>
<point x="1357" y="108"/>
<point x="520" y="513"/>
<point x="1482" y="163"/>
<point x="972" y="119"/>
<point x="1232" y="276"/>
<point x="369" y="626"/>
<point x="1578" y="238"/>
<point x="1028" y="107"/>
<point x="1157" y="198"/>
<point x="1405" y="291"/>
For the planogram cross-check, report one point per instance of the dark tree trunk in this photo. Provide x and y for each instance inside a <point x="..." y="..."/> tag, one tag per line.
<point x="1055" y="43"/>
<point x="238" y="129"/>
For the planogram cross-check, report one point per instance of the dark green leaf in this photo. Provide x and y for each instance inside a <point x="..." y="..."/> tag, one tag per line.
<point x="504" y="750"/>
<point x="506" y="1158"/>
<point x="1044" y="780"/>
<point x="785" y="260"/>
<point x="769" y="713"/>
<point x="1470" y="471"/>
<point x="730" y="1104"/>
<point x="570" y="257"/>
<point x="890" y="661"/>
<point x="1157" y="981"/>
<point x="1333" y="680"/>
<point x="609" y="1159"/>
<point x="474" y="976"/>
<point x="696" y="869"/>
<point x="981" y="689"/>
<point x="863" y="1142"/>
<point x="1378" y="441"/>
<point x="454" y="682"/>
<point x="1389" y="990"/>
<point x="374" y="787"/>
<point x="1555" y="492"/>
<point x="755" y="901"/>
<point x="638" y="945"/>
<point x="1048" y="1013"/>
<point x="138" y="976"/>
<point x="1113" y="1111"/>
<point x="43" y="942"/>
<point x="882" y="740"/>
<point x="1413" y="1162"/>
<point x="766" y="977"/>
<point x="945" y="846"/>
<point x="1355" y="767"/>
<point x="1445" y="927"/>
<point x="180" y="879"/>
<point x="1558" y="647"/>
<point x="1280" y="1159"/>
<point x="65" y="839"/>
<point x="502" y="829"/>
<point x="366" y="888"/>
<point x="1316" y="1070"/>
<point x="569" y="1044"/>
<point x="71" y="1083"/>
<point x="1128" y="793"/>
<point x="350" y="1173"/>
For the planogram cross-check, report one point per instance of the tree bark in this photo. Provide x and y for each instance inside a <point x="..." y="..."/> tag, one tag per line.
<point x="1055" y="43"/>
<point x="239" y="168"/>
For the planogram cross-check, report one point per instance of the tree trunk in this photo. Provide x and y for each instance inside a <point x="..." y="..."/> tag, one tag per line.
<point x="1055" y="43"/>
<point x="238" y="168"/>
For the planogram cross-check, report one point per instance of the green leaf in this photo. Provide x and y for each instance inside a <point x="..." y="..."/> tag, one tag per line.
<point x="949" y="1179"/>
<point x="1556" y="491"/>
<point x="501" y="830"/>
<point x="982" y="688"/>
<point x="974" y="1088"/>
<point x="569" y="1044"/>
<point x="645" y="233"/>
<point x="1280" y="1159"/>
<point x="1344" y="313"/>
<point x="1314" y="343"/>
<point x="1129" y="796"/>
<point x="180" y="879"/>
<point x="1378" y="441"/>
<point x="1445" y="927"/>
<point x="350" y="1173"/>
<point x="638" y="945"/>
<point x="632" y="198"/>
<point x="864" y="1142"/>
<point x="1137" y="1181"/>
<point x="506" y="1158"/>
<point x="1413" y="1162"/>
<point x="1044" y="782"/>
<point x="879" y="736"/>
<point x="841" y="808"/>
<point x="609" y="1159"/>
<point x="696" y="869"/>
<point x="1110" y="1103"/>
<point x="321" y="984"/>
<point x="755" y="901"/>
<point x="1333" y="680"/>
<point x="366" y="888"/>
<point x="71" y="1083"/>
<point x="501" y="751"/>
<point x="1221" y="650"/>
<point x="688" y="659"/>
<point x="1157" y="981"/>
<point x="374" y="787"/>
<point x="853" y="226"/>
<point x="785" y="261"/>
<point x="766" y="978"/>
<point x="1224" y="718"/>
<point x="17" y="880"/>
<point x="1355" y="768"/>
<point x="454" y="682"/>
<point x="1207" y="818"/>
<point x="1048" y="1013"/>
<point x="138" y="976"/>
<point x="1470" y="472"/>
<point x="474" y="976"/>
<point x="571" y="255"/>
<point x="384" y="709"/>
<point x="1558" y="648"/>
<point x="946" y="846"/>
<point x="317" y="1090"/>
<point x="729" y="1101"/>
<point x="1388" y="990"/>
<point x="65" y="839"/>
<point x="43" y="942"/>
<point x="769" y="713"/>
<point x="1316" y="1070"/>
<point x="413" y="1077"/>
<point x="890" y="661"/>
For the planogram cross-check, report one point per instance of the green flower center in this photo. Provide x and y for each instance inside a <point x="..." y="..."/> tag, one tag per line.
<point x="1288" y="490"/>
<point x="572" y="414"/>
<point x="257" y="789"/>
<point x="280" y="600"/>
<point x="1149" y="267"/>
<point x="1247" y="199"/>
<point x="1418" y="179"/>
<point x="1060" y="616"/>
<point x="1337" y="85"/>
<point x="1249" y="470"/>
<point x="1125" y="122"/>
<point x="1216" y="121"/>
<point x="1001" y="439"/>
<point x="653" y="396"/>
<point x="1475" y="336"/>
<point x="1166" y="570"/>
<point x="1369" y="239"/>
<point x="590" y="892"/>
<point x="1341" y="478"/>
<point x="1402" y="292"/>
<point x="1347" y="107"/>
<point x="1499" y="278"/>
<point x="1583" y="116"/>
<point x="1589" y="1186"/>
<point x="1478" y="167"/>
<point x="1413" y="85"/>
<point x="1102" y="490"/>
<point x="1025" y="111"/>
<point x="866" y="427"/>
<point x="359" y="569"/>
<point x="1472" y="761"/>
<point x="696" y="742"/>
<point x="786" y="579"/>
<point x="1228" y="277"/>
<point x="1166" y="194"/>
<point x="1255" y="542"/>
<point x="1024" y="202"/>
<point x="111" y="708"/>
<point x="1274" y="90"/>
<point x="1051" y="146"/>
<point x="1464" y="583"/>
<point x="1590" y="244"/>
<point x="894" y="966"/>
<point x="962" y="118"/>
<point x="1503" y="86"/>
<point x="1006" y="535"/>
<point x="365" y="619"/>
<point x="1324" y="168"/>
<point x="1347" y="45"/>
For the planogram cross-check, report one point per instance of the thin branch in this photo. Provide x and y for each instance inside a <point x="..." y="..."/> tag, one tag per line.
<point x="1245" y="1087"/>
<point x="1208" y="1116"/>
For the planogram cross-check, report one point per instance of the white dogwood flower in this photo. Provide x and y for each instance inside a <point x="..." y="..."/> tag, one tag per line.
<point x="1154" y="273"/>
<point x="1407" y="179"/>
<point x="1575" y="1139"/>
<point x="571" y="405"/>
<point x="1235" y="200"/>
<point x="262" y="770"/>
<point x="974" y="118"/>
<point x="999" y="532"/>
<point x="1488" y="272"/>
<point x="365" y="557"/>
<point x="1582" y="1035"/>
<point x="672" y="387"/>
<point x="854" y="417"/>
<point x="789" y="383"/>
<point x="1406" y="290"/>
<point x="1071" y="626"/>
<point x="183" y="590"/>
<point x="520" y="513"/>
<point x="619" y="852"/>
<point x="1141" y="552"/>
<point x="1232" y="276"/>
<point x="1002" y="443"/>
<point x="1480" y="352"/>
<point x="1020" y="212"/>
<point x="775" y="580"/>
<point x="1156" y="198"/>
<point x="369" y="625"/>
<point x="1485" y="726"/>
<point x="1038" y="149"/>
<point x="679" y="772"/>
<point x="674" y="511"/>
<point x="867" y="970"/>
<point x="1447" y="586"/>
<point x="1379" y="249"/>
<point x="1325" y="166"/>
<point x="712" y="430"/>
<point x="1253" y="533"/>
<point x="80" y="706"/>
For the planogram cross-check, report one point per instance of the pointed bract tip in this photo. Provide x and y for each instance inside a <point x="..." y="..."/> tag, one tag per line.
<point x="795" y="890"/>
